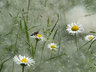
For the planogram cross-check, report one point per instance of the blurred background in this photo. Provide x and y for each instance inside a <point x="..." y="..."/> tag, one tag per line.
<point x="20" y="18"/>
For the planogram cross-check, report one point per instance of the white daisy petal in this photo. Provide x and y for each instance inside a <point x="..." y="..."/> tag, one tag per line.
<point x="23" y="59"/>
<point x="52" y="46"/>
<point x="16" y="59"/>
<point x="74" y="28"/>
<point x="38" y="36"/>
<point x="90" y="37"/>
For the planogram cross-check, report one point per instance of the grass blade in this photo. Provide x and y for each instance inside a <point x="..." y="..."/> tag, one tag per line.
<point x="54" y="25"/>
<point x="55" y="34"/>
<point x="26" y="30"/>
<point x="91" y="44"/>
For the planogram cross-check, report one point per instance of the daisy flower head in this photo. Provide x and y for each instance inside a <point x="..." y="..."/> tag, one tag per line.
<point x="24" y="61"/>
<point x="90" y="37"/>
<point x="37" y="36"/>
<point x="74" y="28"/>
<point x="52" y="46"/>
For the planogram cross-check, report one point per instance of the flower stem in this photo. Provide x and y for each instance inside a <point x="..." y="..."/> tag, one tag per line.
<point x="13" y="67"/>
<point x="76" y="40"/>
<point x="41" y="56"/>
<point x="35" y="46"/>
<point x="32" y="50"/>
<point x="51" y="54"/>
<point x="23" y="68"/>
<point x="42" y="50"/>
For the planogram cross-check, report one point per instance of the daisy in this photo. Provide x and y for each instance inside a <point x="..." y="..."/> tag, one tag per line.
<point x="37" y="36"/>
<point x="52" y="46"/>
<point x="74" y="28"/>
<point x="90" y="37"/>
<point x="24" y="61"/>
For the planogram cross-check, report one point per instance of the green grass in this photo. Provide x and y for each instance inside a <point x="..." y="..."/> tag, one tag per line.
<point x="20" y="18"/>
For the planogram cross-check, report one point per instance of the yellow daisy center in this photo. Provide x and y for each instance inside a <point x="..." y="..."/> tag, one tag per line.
<point x="24" y="60"/>
<point x="52" y="46"/>
<point x="91" y="37"/>
<point x="39" y="35"/>
<point x="75" y="28"/>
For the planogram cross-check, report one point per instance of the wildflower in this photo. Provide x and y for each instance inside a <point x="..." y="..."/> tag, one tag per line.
<point x="37" y="36"/>
<point x="90" y="37"/>
<point x="52" y="46"/>
<point x="24" y="61"/>
<point x="74" y="28"/>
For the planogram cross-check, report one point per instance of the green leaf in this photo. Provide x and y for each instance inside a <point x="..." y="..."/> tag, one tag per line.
<point x="26" y="29"/>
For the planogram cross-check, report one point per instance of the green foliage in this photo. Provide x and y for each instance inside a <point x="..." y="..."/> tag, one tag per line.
<point x="20" y="18"/>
